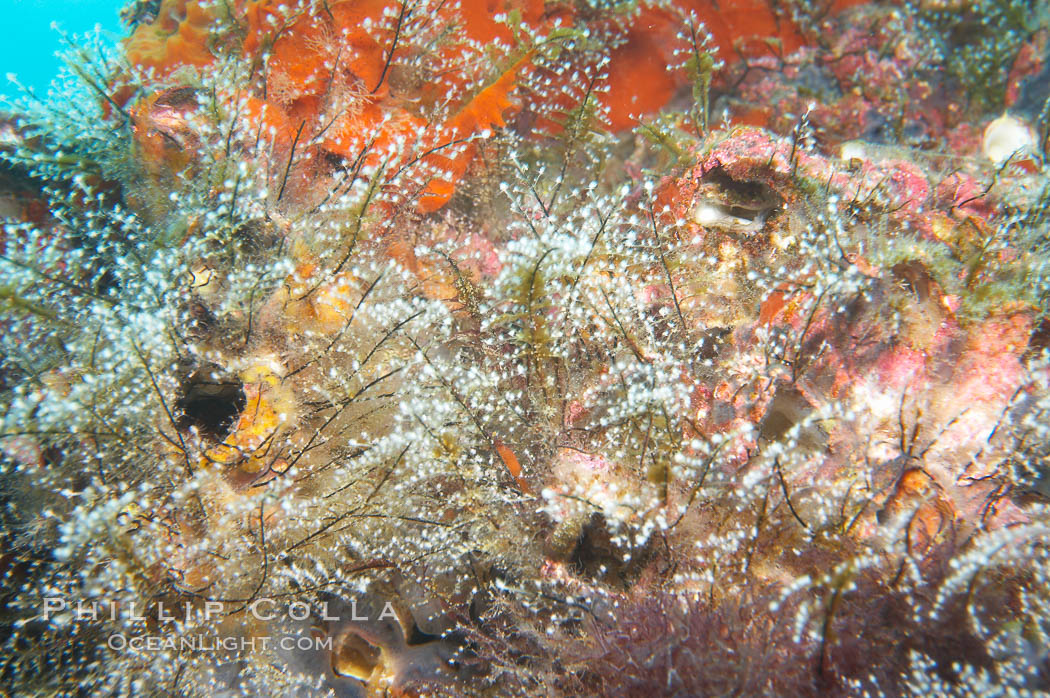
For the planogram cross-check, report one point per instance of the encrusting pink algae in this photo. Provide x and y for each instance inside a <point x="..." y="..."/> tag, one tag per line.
<point x="530" y="347"/>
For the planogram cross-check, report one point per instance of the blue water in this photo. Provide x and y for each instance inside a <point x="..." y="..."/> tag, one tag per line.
<point x="29" y="43"/>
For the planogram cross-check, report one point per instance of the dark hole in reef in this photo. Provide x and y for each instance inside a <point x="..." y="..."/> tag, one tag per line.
<point x="915" y="278"/>
<point x="140" y="12"/>
<point x="478" y="606"/>
<point x="593" y="548"/>
<point x="181" y="97"/>
<point x="417" y="636"/>
<point x="106" y="281"/>
<point x="466" y="661"/>
<point x="1040" y="338"/>
<point x="711" y="342"/>
<point x="201" y="319"/>
<point x="748" y="200"/>
<point x="65" y="454"/>
<point x="788" y="408"/>
<point x="210" y="400"/>
<point x="596" y="556"/>
<point x="254" y="238"/>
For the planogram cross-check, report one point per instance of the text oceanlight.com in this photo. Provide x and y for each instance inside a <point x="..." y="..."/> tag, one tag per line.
<point x="202" y="643"/>
<point x="61" y="611"/>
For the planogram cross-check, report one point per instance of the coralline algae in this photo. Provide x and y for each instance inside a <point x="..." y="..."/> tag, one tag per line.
<point x="365" y="347"/>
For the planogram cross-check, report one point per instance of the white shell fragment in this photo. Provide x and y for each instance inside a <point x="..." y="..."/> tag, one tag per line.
<point x="1006" y="136"/>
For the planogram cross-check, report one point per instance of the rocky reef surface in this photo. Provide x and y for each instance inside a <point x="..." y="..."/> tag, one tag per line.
<point x="530" y="347"/>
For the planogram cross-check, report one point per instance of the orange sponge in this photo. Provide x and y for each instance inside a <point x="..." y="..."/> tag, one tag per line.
<point x="178" y="36"/>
